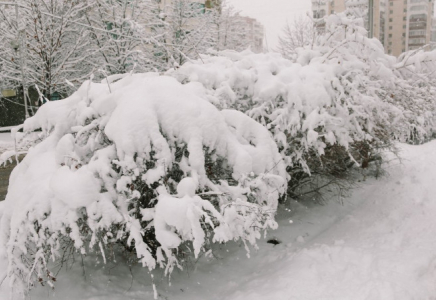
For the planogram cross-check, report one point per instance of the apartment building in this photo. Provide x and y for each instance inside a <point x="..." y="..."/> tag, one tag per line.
<point x="205" y="3"/>
<point x="400" y="25"/>
<point x="254" y="33"/>
<point x="433" y="33"/>
<point x="420" y="21"/>
<point x="254" y="30"/>
<point x="359" y="8"/>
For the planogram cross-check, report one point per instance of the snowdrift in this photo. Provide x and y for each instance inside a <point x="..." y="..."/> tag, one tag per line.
<point x="144" y="163"/>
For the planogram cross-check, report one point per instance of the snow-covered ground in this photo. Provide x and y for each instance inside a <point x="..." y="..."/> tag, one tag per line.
<point x="6" y="141"/>
<point x="379" y="245"/>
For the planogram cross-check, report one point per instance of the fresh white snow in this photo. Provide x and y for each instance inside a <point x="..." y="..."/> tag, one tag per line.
<point x="93" y="153"/>
<point x="378" y="245"/>
<point x="160" y="165"/>
<point x="6" y="141"/>
<point x="6" y="138"/>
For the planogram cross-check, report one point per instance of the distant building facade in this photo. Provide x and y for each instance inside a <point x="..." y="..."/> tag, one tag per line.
<point x="254" y="36"/>
<point x="433" y="33"/>
<point x="400" y="25"/>
<point x="255" y="33"/>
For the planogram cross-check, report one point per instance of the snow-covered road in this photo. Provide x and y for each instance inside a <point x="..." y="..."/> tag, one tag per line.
<point x="380" y="245"/>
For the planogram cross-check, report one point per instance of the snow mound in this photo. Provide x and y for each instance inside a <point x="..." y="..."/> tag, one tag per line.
<point x="144" y="162"/>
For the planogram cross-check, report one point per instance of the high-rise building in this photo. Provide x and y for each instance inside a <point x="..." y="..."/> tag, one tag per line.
<point x="253" y="30"/>
<point x="400" y="25"/>
<point x="206" y="3"/>
<point x="420" y="19"/>
<point x="254" y="33"/>
<point x="359" y="8"/>
<point x="433" y="34"/>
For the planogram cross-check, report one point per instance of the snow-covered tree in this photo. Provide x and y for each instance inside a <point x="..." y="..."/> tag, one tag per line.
<point x="188" y="30"/>
<point x="145" y="164"/>
<point x="53" y="47"/>
<point x="121" y="34"/>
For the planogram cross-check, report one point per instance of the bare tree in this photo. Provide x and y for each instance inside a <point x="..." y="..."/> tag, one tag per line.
<point x="187" y="31"/>
<point x="121" y="34"/>
<point x="299" y="33"/>
<point x="230" y="29"/>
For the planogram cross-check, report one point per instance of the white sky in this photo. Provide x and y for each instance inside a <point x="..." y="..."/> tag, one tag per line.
<point x="272" y="13"/>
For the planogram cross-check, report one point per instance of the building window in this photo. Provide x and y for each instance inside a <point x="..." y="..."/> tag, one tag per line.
<point x="390" y="19"/>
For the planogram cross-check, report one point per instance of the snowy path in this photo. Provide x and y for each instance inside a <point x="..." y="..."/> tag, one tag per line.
<point x="384" y="249"/>
<point x="380" y="245"/>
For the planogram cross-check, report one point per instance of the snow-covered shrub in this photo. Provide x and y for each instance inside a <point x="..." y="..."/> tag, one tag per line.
<point x="404" y="84"/>
<point x="328" y="108"/>
<point x="415" y="91"/>
<point x="144" y="162"/>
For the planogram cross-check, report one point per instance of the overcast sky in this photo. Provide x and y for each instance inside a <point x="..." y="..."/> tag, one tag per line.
<point x="272" y="13"/>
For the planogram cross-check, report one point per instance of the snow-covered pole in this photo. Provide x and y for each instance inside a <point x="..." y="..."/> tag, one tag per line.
<point x="371" y="18"/>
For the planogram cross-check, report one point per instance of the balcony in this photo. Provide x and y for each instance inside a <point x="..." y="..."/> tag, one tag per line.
<point x="417" y="35"/>
<point x="417" y="25"/>
<point x="423" y="9"/>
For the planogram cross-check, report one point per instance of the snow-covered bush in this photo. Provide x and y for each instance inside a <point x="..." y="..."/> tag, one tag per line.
<point x="415" y="91"/>
<point x="144" y="162"/>
<point x="328" y="108"/>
